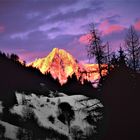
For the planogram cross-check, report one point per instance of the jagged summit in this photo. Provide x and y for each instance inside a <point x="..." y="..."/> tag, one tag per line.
<point x="62" y="64"/>
<point x="59" y="63"/>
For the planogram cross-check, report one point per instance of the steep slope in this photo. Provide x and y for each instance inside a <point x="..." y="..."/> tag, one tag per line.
<point x="10" y="131"/>
<point x="121" y="96"/>
<point x="43" y="107"/>
<point x="14" y="76"/>
<point x="61" y="65"/>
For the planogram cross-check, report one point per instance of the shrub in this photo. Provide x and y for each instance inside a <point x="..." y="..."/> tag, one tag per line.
<point x="2" y="131"/>
<point x="48" y="100"/>
<point x="42" y="105"/>
<point x="90" y="133"/>
<point x="53" y="103"/>
<point x="76" y="132"/>
<point x="23" y="134"/>
<point x="66" y="113"/>
<point x="28" y="112"/>
<point x="51" y="119"/>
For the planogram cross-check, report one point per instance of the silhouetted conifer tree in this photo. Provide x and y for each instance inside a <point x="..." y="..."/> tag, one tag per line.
<point x="95" y="47"/>
<point x="133" y="47"/>
<point x="114" y="60"/>
<point x="66" y="113"/>
<point x="122" y="57"/>
<point x="14" y="57"/>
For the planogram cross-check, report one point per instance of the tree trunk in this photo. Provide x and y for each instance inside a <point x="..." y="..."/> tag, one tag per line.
<point x="100" y="70"/>
<point x="134" y="61"/>
<point x="69" y="128"/>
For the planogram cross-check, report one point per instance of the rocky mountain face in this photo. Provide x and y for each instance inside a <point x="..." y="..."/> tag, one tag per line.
<point x="62" y="64"/>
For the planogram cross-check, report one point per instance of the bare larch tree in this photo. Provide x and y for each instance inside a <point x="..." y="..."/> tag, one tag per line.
<point x="133" y="47"/>
<point x="95" y="48"/>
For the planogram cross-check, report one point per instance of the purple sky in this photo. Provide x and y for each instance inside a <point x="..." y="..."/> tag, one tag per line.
<point x="32" y="28"/>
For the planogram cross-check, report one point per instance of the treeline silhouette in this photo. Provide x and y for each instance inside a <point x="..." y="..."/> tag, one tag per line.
<point x="101" y="51"/>
<point x="75" y="87"/>
<point x="119" y="92"/>
<point x="15" y="76"/>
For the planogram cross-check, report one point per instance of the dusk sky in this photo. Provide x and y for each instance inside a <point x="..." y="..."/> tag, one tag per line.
<point x="32" y="28"/>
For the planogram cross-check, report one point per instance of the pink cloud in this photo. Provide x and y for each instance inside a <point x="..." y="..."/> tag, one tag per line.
<point x="84" y="39"/>
<point x="108" y="28"/>
<point x="2" y="29"/>
<point x="104" y="24"/>
<point x="137" y="25"/>
<point x="113" y="28"/>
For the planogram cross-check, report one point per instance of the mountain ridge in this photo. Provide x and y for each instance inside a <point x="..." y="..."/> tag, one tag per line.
<point x="58" y="62"/>
<point x="61" y="64"/>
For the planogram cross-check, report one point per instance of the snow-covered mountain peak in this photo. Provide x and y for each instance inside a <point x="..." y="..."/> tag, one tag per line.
<point x="61" y="64"/>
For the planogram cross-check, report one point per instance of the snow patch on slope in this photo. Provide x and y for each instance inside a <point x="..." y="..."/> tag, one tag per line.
<point x="43" y="107"/>
<point x="10" y="130"/>
<point x="1" y="107"/>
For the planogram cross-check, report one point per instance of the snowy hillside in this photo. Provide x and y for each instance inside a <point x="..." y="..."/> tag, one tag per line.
<point x="10" y="130"/>
<point x="46" y="112"/>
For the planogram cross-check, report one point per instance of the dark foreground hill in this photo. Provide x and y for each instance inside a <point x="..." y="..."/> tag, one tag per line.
<point x="121" y="96"/>
<point x="74" y="86"/>
<point x="15" y="76"/>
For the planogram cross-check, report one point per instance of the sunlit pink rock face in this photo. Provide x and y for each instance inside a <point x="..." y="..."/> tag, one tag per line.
<point x="62" y="64"/>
